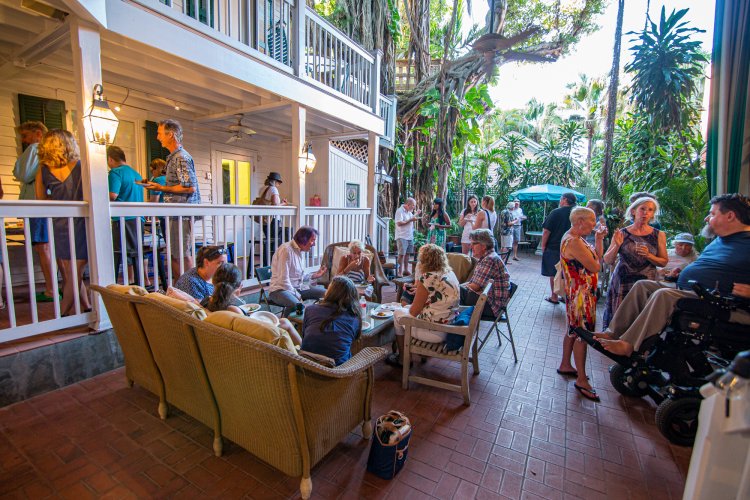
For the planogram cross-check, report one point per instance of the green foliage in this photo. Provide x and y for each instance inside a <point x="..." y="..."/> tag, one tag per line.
<point x="684" y="205"/>
<point x="666" y="67"/>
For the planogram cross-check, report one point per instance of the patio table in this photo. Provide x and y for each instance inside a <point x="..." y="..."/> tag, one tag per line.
<point x="382" y="332"/>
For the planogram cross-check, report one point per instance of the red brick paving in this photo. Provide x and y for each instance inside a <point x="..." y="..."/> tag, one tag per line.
<point x="527" y="434"/>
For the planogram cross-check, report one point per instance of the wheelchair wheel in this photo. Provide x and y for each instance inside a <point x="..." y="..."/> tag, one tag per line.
<point x="677" y="420"/>
<point x="625" y="383"/>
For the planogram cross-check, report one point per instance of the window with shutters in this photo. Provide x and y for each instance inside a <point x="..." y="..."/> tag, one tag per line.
<point x="51" y="112"/>
<point x="153" y="146"/>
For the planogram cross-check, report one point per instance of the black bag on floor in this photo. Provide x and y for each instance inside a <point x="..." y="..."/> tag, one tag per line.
<point x="390" y="445"/>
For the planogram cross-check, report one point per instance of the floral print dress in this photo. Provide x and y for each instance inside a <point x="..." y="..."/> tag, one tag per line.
<point x="580" y="289"/>
<point x="442" y="297"/>
<point x="437" y="235"/>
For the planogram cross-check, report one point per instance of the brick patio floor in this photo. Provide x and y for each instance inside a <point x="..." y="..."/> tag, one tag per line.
<point x="528" y="434"/>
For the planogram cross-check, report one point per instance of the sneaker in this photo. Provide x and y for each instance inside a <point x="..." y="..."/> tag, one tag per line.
<point x="43" y="297"/>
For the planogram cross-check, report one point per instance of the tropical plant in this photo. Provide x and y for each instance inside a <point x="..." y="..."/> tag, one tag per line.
<point x="587" y="99"/>
<point x="666" y="67"/>
<point x="684" y="203"/>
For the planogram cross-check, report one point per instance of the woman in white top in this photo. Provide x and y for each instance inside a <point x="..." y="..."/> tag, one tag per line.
<point x="487" y="217"/>
<point x="270" y="196"/>
<point x="466" y="220"/>
<point x="436" y="299"/>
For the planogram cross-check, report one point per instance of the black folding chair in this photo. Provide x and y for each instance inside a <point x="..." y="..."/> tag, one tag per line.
<point x="505" y="255"/>
<point x="263" y="275"/>
<point x="502" y="317"/>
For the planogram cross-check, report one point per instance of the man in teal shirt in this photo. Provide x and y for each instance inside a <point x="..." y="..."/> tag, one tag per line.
<point x="123" y="187"/>
<point x="24" y="173"/>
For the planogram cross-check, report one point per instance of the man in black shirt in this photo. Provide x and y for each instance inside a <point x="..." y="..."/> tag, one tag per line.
<point x="555" y="226"/>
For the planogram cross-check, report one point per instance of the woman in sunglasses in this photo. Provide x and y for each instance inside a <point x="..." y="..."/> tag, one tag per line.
<point x="197" y="281"/>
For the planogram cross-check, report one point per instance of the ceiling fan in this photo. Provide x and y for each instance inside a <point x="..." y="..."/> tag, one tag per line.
<point x="238" y="131"/>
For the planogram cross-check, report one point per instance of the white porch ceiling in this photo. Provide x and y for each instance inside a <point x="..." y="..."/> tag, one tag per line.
<point x="150" y="79"/>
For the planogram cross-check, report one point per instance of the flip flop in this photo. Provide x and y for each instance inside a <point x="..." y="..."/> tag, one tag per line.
<point x="551" y="301"/>
<point x="589" y="338"/>
<point x="568" y="373"/>
<point x="591" y="393"/>
<point x="516" y="258"/>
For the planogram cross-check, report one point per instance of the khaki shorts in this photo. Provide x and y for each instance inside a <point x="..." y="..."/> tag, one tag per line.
<point x="175" y="244"/>
<point x="404" y="247"/>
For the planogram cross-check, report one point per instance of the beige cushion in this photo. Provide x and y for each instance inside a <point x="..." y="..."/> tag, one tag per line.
<point x="461" y="265"/>
<point x="253" y="328"/>
<point x="176" y="293"/>
<point x="190" y="308"/>
<point x="339" y="252"/>
<point x="128" y="289"/>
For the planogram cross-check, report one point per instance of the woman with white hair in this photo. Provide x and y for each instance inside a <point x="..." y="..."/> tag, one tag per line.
<point x="507" y="221"/>
<point x="355" y="266"/>
<point x="580" y="263"/>
<point x="640" y="247"/>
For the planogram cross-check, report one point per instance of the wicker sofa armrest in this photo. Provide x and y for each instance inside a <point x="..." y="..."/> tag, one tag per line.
<point x="356" y="364"/>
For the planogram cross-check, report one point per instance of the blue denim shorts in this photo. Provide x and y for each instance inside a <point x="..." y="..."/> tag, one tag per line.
<point x="38" y="229"/>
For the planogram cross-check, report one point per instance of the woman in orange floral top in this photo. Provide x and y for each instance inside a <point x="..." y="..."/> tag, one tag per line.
<point x="580" y="264"/>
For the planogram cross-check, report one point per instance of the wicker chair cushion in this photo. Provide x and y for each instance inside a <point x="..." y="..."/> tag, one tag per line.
<point x="190" y="308"/>
<point x="339" y="253"/>
<point x="253" y="328"/>
<point x="438" y="347"/>
<point x="178" y="294"/>
<point x="461" y="265"/>
<point x="128" y="289"/>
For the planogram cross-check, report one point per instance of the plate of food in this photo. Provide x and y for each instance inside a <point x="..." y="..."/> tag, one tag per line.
<point x="250" y="308"/>
<point x="391" y="306"/>
<point x="381" y="314"/>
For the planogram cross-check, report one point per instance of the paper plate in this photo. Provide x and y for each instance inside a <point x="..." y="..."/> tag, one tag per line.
<point x="250" y="308"/>
<point x="366" y="325"/>
<point x="391" y="306"/>
<point x="265" y="316"/>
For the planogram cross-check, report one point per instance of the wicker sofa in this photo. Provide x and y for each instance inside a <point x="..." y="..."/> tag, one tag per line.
<point x="286" y="410"/>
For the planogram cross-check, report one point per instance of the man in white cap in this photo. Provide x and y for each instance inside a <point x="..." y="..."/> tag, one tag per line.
<point x="680" y="256"/>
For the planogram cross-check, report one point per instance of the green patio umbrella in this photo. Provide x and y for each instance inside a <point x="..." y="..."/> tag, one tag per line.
<point x="545" y="193"/>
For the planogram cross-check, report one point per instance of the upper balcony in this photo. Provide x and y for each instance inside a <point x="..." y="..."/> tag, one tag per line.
<point x="293" y="38"/>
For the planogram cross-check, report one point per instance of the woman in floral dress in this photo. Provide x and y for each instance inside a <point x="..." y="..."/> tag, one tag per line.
<point x="579" y="262"/>
<point x="435" y="300"/>
<point x="641" y="249"/>
<point x="439" y="222"/>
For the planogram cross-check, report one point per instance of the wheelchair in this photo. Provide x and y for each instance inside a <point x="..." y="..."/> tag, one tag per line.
<point x="670" y="368"/>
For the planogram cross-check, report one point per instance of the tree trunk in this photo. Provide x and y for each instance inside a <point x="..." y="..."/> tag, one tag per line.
<point x="614" y="81"/>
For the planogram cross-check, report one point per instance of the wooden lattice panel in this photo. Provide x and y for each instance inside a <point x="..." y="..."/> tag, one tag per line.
<point x="355" y="148"/>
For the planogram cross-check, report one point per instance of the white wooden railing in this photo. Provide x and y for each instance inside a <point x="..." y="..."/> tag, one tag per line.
<point x="292" y="38"/>
<point x="20" y="315"/>
<point x="388" y="114"/>
<point x="382" y="236"/>
<point x="242" y="230"/>
<point x="335" y="225"/>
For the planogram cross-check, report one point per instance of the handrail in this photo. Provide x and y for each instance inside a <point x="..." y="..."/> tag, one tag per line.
<point x="339" y="34"/>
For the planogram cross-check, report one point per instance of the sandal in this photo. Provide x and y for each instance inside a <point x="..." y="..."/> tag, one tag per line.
<point x="392" y="360"/>
<point x="591" y="393"/>
<point x="548" y="299"/>
<point x="567" y="373"/>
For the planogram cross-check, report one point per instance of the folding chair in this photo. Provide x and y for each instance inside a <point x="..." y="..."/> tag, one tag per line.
<point x="505" y="255"/>
<point x="502" y="317"/>
<point x="263" y="275"/>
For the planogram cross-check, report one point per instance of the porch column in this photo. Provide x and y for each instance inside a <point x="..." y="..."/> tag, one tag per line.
<point x="373" y="155"/>
<point x="87" y="69"/>
<point x="298" y="37"/>
<point x="299" y="118"/>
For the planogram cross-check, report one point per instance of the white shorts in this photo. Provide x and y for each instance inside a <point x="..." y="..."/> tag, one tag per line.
<point x="417" y="333"/>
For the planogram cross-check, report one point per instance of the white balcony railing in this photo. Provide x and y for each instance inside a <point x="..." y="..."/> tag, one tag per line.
<point x="291" y="36"/>
<point x="245" y="231"/>
<point x="388" y="114"/>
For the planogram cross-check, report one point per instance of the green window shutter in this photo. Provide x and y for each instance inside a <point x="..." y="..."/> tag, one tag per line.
<point x="153" y="146"/>
<point x="51" y="112"/>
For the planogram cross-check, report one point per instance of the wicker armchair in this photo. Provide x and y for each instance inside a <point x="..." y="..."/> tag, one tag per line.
<point x="376" y="268"/>
<point x="413" y="346"/>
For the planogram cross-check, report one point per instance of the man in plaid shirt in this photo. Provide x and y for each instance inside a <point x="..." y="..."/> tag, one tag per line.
<point x="489" y="267"/>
